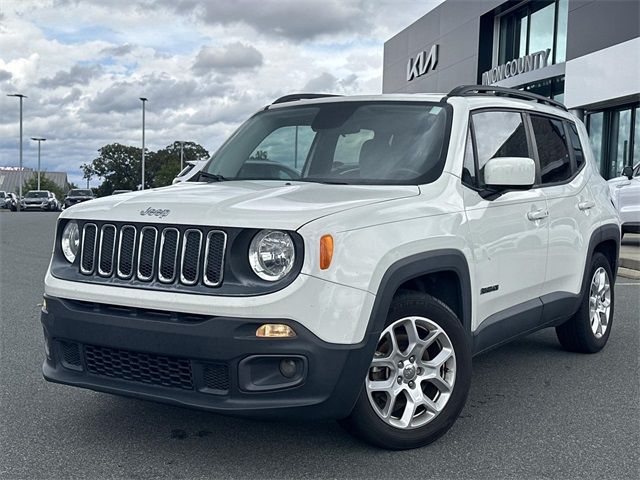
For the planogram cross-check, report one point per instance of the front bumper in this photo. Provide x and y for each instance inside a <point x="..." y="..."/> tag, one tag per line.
<point x="208" y="362"/>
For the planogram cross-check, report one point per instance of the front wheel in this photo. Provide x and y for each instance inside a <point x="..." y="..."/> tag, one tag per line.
<point x="418" y="379"/>
<point x="588" y="330"/>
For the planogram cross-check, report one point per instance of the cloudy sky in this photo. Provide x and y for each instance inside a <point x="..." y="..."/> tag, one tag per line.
<point x="204" y="65"/>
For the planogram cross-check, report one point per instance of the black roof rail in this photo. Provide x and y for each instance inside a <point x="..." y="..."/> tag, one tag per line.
<point x="302" y="96"/>
<point x="472" y="90"/>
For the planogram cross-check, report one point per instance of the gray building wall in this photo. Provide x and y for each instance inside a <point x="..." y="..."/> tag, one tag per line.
<point x="597" y="24"/>
<point x="455" y="27"/>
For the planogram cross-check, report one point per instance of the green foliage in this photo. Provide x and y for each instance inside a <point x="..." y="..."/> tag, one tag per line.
<point x="119" y="166"/>
<point x="259" y="155"/>
<point x="45" y="184"/>
<point x="164" y="164"/>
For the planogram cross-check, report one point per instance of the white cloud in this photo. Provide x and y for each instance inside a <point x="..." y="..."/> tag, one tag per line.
<point x="205" y="66"/>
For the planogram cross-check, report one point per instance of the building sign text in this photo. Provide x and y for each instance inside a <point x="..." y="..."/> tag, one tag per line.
<point x="517" y="66"/>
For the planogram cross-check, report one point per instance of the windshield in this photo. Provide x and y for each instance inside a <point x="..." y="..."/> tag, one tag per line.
<point x="2" y="194"/>
<point x="80" y="193"/>
<point x="345" y="142"/>
<point x="37" y="195"/>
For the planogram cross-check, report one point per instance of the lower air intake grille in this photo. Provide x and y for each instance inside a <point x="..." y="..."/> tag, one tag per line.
<point x="139" y="367"/>
<point x="70" y="354"/>
<point x="216" y="377"/>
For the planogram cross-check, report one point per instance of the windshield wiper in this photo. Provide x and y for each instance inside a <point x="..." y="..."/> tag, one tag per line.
<point x="211" y="176"/>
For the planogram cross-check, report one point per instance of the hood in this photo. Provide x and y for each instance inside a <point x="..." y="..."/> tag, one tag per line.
<point x="250" y="204"/>
<point x="79" y="197"/>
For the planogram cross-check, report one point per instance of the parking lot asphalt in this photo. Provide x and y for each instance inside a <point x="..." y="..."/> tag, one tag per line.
<point x="534" y="410"/>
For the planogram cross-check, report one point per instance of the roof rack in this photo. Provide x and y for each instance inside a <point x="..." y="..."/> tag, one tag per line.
<point x="302" y="96"/>
<point x="479" y="90"/>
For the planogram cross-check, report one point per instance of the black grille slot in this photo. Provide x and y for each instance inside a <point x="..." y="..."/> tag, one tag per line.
<point x="126" y="251"/>
<point x="139" y="367"/>
<point x="216" y="377"/>
<point x="70" y="354"/>
<point x="191" y="257"/>
<point x="214" y="258"/>
<point x="87" y="258"/>
<point x="168" y="255"/>
<point x="107" y="250"/>
<point x="147" y="253"/>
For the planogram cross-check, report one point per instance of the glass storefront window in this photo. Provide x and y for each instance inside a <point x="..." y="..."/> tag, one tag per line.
<point x="615" y="138"/>
<point x="542" y="26"/>
<point x="596" y="127"/>
<point x="549" y="87"/>
<point x="561" y="31"/>
<point x="621" y="141"/>
<point x="537" y="25"/>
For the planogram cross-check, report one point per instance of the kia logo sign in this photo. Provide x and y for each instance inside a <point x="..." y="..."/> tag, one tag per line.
<point x="422" y="64"/>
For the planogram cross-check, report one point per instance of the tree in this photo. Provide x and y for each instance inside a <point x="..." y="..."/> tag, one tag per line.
<point x="164" y="164"/>
<point x="45" y="184"/>
<point x="259" y="155"/>
<point x="119" y="167"/>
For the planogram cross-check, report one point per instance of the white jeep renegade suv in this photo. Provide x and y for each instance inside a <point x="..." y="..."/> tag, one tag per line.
<point x="341" y="257"/>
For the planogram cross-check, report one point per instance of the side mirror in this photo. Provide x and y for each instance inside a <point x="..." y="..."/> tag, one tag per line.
<point x="510" y="172"/>
<point x="628" y="172"/>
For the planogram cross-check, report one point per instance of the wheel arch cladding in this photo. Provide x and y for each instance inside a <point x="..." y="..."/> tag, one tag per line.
<point x="605" y="240"/>
<point x="421" y="272"/>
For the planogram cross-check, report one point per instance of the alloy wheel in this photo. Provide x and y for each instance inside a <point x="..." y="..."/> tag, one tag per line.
<point x="599" y="302"/>
<point x="413" y="372"/>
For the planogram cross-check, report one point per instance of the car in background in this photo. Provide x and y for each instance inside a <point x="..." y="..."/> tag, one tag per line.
<point x="189" y="171"/>
<point x="6" y="200"/>
<point x="625" y="194"/>
<point x="118" y="192"/>
<point x="40" y="200"/>
<point x="78" y="195"/>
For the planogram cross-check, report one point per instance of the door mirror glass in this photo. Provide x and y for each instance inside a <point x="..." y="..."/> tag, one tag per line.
<point x="510" y="172"/>
<point x="628" y="172"/>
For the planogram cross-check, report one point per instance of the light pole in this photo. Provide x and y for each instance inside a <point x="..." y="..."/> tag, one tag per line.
<point x="144" y="101"/>
<point x="20" y="96"/>
<point x="181" y="155"/>
<point x="39" y="140"/>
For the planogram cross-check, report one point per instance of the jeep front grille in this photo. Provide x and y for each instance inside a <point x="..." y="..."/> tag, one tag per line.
<point x="144" y="253"/>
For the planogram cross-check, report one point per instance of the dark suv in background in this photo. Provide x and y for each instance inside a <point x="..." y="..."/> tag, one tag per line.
<point x="78" y="195"/>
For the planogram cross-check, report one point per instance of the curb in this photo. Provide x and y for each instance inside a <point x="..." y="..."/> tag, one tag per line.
<point x="629" y="273"/>
<point x="630" y="263"/>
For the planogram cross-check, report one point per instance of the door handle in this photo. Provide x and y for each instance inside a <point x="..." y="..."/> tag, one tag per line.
<point x="586" y="205"/>
<point x="537" y="215"/>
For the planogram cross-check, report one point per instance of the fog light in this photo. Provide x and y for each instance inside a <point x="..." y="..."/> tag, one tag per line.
<point x="275" y="330"/>
<point x="288" y="368"/>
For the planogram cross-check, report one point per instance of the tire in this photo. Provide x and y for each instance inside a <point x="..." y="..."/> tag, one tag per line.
<point x="577" y="334"/>
<point x="433" y="319"/>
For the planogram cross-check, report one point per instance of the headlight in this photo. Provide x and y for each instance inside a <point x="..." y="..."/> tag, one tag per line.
<point x="272" y="254"/>
<point x="70" y="241"/>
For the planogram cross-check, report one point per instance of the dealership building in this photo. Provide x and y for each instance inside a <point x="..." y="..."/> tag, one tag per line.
<point x="583" y="53"/>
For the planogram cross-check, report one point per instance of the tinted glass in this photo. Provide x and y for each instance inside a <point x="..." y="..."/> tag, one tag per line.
<point x="78" y="193"/>
<point x="37" y="194"/>
<point x="555" y="164"/>
<point x="578" y="154"/>
<point x="343" y="142"/>
<point x="498" y="134"/>
<point x="2" y="195"/>
<point x="621" y="141"/>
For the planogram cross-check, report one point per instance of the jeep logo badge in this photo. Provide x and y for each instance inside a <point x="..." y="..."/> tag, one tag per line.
<point x="156" y="212"/>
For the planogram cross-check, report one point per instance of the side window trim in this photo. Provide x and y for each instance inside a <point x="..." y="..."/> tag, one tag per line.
<point x="471" y="135"/>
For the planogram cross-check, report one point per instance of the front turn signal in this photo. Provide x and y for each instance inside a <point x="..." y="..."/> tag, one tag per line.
<point x="326" y="251"/>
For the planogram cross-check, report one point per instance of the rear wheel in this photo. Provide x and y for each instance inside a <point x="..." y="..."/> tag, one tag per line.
<point x="588" y="330"/>
<point x="418" y="379"/>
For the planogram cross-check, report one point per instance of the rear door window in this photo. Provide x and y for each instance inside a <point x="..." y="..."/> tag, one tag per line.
<point x="553" y="153"/>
